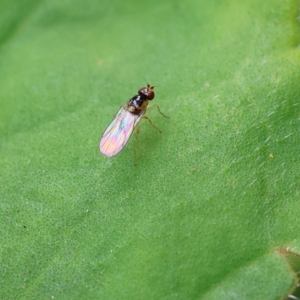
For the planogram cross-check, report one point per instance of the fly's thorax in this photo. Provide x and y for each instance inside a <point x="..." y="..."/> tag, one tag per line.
<point x="137" y="100"/>
<point x="137" y="104"/>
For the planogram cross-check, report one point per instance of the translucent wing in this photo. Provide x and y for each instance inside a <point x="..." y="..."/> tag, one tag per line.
<point x="118" y="132"/>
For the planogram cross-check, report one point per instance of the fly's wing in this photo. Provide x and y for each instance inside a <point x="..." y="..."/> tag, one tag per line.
<point x="118" y="132"/>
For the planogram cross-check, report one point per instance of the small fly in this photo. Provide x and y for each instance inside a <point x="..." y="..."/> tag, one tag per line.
<point x="121" y="127"/>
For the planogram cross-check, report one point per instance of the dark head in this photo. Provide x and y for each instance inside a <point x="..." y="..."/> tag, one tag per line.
<point x="147" y="92"/>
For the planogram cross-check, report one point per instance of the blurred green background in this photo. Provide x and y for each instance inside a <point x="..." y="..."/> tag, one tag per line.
<point x="211" y="199"/>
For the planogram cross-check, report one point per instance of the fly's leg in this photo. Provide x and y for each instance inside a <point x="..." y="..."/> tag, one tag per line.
<point x="145" y="117"/>
<point x="155" y="105"/>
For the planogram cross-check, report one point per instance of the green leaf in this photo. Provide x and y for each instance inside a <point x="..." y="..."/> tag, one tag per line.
<point x="211" y="199"/>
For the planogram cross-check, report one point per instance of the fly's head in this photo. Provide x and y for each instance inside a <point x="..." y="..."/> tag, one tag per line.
<point x="147" y="92"/>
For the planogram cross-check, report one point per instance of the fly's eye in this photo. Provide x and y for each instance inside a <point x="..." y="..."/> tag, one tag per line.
<point x="150" y="95"/>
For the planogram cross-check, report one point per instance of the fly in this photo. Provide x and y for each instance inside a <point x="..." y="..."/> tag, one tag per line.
<point x="118" y="132"/>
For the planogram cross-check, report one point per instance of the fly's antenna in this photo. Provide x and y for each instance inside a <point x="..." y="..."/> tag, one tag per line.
<point x="153" y="86"/>
<point x="147" y="81"/>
